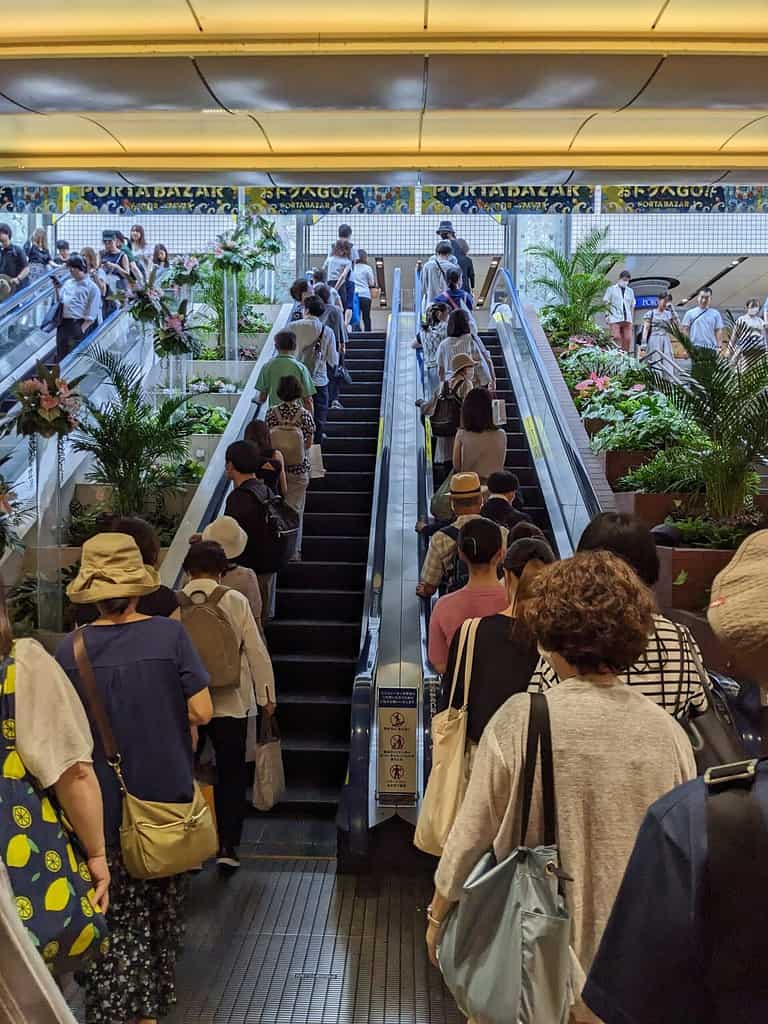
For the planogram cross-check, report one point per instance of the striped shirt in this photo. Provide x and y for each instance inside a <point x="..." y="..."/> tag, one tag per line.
<point x="665" y="673"/>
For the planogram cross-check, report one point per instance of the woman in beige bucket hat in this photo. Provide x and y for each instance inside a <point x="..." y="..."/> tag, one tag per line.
<point x="154" y="688"/>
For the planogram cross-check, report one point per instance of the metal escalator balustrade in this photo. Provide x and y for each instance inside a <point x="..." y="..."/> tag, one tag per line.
<point x="23" y="342"/>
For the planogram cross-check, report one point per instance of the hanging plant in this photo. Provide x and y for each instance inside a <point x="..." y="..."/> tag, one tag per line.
<point x="174" y="336"/>
<point x="149" y="304"/>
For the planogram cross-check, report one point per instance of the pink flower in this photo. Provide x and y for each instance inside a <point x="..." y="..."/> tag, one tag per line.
<point x="190" y="263"/>
<point x="174" y="323"/>
<point x="593" y="381"/>
<point x="637" y="387"/>
<point x="48" y="402"/>
<point x="62" y="387"/>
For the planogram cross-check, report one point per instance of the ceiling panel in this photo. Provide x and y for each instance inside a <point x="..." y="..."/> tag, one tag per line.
<point x="496" y="177"/>
<point x="286" y="179"/>
<point x="234" y="17"/>
<point x="680" y="131"/>
<point x="136" y="83"/>
<point x="30" y="134"/>
<point x="718" y="83"/>
<point x="526" y="81"/>
<point x="316" y="83"/>
<point x="186" y="134"/>
<point x="491" y="131"/>
<point x="342" y="132"/>
<point x="752" y="138"/>
<point x="52" y="20"/>
<point x="644" y="177"/>
<point x="182" y="177"/>
<point x="560" y="16"/>
<point x="701" y="16"/>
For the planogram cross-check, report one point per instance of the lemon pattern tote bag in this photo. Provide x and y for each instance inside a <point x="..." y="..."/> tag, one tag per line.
<point x="49" y="877"/>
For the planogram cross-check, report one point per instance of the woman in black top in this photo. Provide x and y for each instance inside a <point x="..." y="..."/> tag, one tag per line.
<point x="271" y="468"/>
<point x="505" y="652"/>
<point x="162" y="601"/>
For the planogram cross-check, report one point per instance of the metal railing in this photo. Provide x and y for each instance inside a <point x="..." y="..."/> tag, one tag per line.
<point x="30" y="294"/>
<point x="353" y="811"/>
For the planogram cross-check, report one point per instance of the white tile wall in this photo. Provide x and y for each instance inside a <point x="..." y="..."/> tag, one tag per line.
<point x="744" y="234"/>
<point x="404" y="235"/>
<point x="181" y="233"/>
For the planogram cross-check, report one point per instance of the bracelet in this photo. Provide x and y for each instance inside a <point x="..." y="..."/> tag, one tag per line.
<point x="433" y="920"/>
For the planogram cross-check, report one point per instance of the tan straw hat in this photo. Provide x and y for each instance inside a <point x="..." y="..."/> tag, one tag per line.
<point x="228" y="534"/>
<point x="461" y="361"/>
<point x="111" y="566"/>
<point x="5" y="287"/>
<point x="738" y="608"/>
<point x="465" y="485"/>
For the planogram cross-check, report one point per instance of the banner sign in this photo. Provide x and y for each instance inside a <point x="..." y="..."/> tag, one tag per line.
<point x="360" y="199"/>
<point x="685" y="199"/>
<point x="221" y="199"/>
<point x="496" y="199"/>
<point x="30" y="199"/>
<point x="397" y="745"/>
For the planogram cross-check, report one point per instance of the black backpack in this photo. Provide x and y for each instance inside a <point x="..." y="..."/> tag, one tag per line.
<point x="459" y="574"/>
<point x="279" y="526"/>
<point x="446" y="419"/>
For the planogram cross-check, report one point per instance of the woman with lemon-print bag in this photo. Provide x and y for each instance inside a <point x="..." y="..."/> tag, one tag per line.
<point x="51" y="817"/>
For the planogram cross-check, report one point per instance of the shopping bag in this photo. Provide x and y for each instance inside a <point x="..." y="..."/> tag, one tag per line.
<point x="252" y="735"/>
<point x="269" y="777"/>
<point x="440" y="505"/>
<point x="499" y="412"/>
<point x="316" y="467"/>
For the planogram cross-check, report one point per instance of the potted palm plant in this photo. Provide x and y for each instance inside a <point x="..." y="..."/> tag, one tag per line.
<point x="577" y="283"/>
<point x="725" y="396"/>
<point x="670" y="482"/>
<point x="129" y="440"/>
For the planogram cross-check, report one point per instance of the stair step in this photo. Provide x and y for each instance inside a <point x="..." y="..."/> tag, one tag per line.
<point x="364" y="376"/>
<point x="317" y="725"/>
<point x="363" y="362"/>
<point x="310" y="636"/>
<point x="354" y="399"/>
<point x="344" y="463"/>
<point x="364" y="387"/>
<point x="314" y="769"/>
<point x="325" y="604"/>
<point x="350" y="445"/>
<point x="342" y="481"/>
<point x="330" y="674"/>
<point x="345" y="549"/>
<point x="321" y="575"/>
<point x="317" y="794"/>
<point x="362" y="428"/>
<point x="331" y="501"/>
<point x="337" y="524"/>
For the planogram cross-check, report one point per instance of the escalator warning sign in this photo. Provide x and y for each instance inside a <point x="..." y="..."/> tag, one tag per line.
<point x="397" y="709"/>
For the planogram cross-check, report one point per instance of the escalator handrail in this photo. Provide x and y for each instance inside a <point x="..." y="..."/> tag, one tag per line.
<point x="24" y="299"/>
<point x="356" y="800"/>
<point x="588" y="494"/>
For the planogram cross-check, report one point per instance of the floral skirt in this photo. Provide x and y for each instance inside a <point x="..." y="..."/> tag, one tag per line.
<point x="137" y="976"/>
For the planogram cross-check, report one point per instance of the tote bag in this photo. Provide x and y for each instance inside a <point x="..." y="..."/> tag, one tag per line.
<point x="269" y="776"/>
<point x="505" y="949"/>
<point x="448" y="778"/>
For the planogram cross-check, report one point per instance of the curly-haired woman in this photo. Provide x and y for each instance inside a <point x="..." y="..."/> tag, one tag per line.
<point x="615" y="751"/>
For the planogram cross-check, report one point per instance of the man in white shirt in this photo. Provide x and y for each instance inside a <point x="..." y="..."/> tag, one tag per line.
<point x="316" y="348"/>
<point x="621" y="310"/>
<point x="434" y="275"/>
<point x="81" y="303"/>
<point x="703" y="324"/>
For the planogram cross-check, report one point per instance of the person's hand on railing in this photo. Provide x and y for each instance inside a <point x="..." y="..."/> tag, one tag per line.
<point x="425" y="590"/>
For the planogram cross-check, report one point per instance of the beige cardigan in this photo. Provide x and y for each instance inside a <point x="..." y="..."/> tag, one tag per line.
<point x="615" y="753"/>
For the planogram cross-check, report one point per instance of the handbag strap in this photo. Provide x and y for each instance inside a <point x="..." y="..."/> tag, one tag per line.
<point x="92" y="698"/>
<point x="460" y="652"/>
<point x="539" y="739"/>
<point x="692" y="649"/>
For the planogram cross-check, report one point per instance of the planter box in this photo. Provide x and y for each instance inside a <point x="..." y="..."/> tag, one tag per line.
<point x="202" y="446"/>
<point x="254" y="341"/>
<point x="650" y="509"/>
<point x="618" y="464"/>
<point x="210" y="399"/>
<point x="238" y="371"/>
<point x="700" y="565"/>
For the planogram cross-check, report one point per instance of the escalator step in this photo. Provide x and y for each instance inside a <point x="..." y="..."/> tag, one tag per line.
<point x="349" y="445"/>
<point x="328" y="674"/>
<point x="364" y="387"/>
<point x="329" y="728"/>
<point x="341" y="427"/>
<point x="367" y="399"/>
<point x="341" y="605"/>
<point x="330" y="501"/>
<point x="346" y="463"/>
<point x="345" y="549"/>
<point x="343" y="481"/>
<point x="320" y="575"/>
<point x="336" y="524"/>
<point x="313" y="637"/>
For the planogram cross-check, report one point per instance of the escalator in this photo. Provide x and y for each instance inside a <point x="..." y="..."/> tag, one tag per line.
<point x="314" y="639"/>
<point x="23" y="342"/>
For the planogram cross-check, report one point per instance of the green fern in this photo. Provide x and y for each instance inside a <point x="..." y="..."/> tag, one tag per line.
<point x="129" y="440"/>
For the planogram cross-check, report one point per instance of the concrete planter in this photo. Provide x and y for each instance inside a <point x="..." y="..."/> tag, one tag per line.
<point x="238" y="371"/>
<point x="650" y="509"/>
<point x="202" y="446"/>
<point x="694" y="569"/>
<point x="210" y="399"/>
<point x="619" y="463"/>
<point x="252" y="341"/>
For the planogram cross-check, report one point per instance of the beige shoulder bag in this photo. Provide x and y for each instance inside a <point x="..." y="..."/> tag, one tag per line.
<point x="157" y="839"/>
<point x="449" y="776"/>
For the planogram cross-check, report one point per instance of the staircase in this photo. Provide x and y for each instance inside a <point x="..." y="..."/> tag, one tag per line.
<point x="518" y="458"/>
<point x="314" y="639"/>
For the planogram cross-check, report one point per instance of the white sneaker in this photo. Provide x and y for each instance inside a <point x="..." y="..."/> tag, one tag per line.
<point x="336" y="405"/>
<point x="228" y="859"/>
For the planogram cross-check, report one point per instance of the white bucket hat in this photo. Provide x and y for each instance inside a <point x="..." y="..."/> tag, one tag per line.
<point x="227" y="532"/>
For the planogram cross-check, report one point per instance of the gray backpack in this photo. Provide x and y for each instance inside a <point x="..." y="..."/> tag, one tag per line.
<point x="288" y="438"/>
<point x="213" y="636"/>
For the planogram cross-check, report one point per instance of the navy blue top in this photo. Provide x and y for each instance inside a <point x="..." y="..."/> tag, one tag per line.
<point x="146" y="671"/>
<point x="651" y="967"/>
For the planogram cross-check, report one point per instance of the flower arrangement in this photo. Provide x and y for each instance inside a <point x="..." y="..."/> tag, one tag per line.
<point x="173" y="334"/>
<point x="184" y="271"/>
<point x="48" y="405"/>
<point x="235" y="251"/>
<point x="149" y="303"/>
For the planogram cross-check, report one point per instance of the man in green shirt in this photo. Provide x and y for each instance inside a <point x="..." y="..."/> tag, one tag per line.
<point x="284" y="364"/>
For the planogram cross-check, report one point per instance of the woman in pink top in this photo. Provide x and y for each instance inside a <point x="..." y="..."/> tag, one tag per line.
<point x="481" y="548"/>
